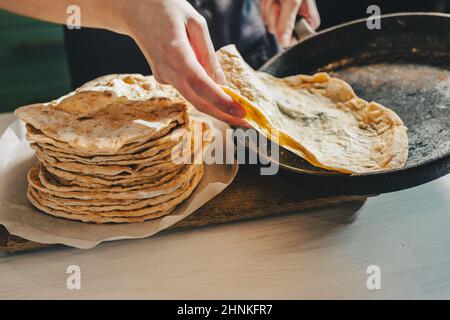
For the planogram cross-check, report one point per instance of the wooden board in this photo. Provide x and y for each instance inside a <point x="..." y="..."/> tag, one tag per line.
<point x="251" y="195"/>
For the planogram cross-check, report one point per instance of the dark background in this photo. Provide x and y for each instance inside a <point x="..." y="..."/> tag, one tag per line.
<point x="334" y="12"/>
<point x="95" y="52"/>
<point x="41" y="61"/>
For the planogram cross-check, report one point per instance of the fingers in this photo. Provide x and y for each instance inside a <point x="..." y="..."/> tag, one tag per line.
<point x="205" y="107"/>
<point x="157" y="76"/>
<point x="198" y="88"/>
<point x="309" y="11"/>
<point x="280" y="17"/>
<point x="286" y="21"/>
<point x="200" y="39"/>
<point x="264" y="6"/>
<point x="209" y="92"/>
<point x="178" y="48"/>
<point x="193" y="82"/>
<point x="272" y="15"/>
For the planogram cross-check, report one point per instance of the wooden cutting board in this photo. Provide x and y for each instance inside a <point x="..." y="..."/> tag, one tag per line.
<point x="251" y="195"/>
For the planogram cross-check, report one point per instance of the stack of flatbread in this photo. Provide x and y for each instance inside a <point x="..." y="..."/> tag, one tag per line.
<point x="113" y="152"/>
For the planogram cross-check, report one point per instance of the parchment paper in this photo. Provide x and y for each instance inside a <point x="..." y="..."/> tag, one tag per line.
<point x="22" y="219"/>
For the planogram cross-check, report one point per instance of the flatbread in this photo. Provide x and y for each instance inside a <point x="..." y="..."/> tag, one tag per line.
<point x="181" y="154"/>
<point x="168" y="160"/>
<point x="117" y="150"/>
<point x="96" y="218"/>
<point x="146" y="176"/>
<point x="163" y="136"/>
<point x="133" y="86"/>
<point x="145" y="193"/>
<point x="149" y="156"/>
<point x="101" y="122"/>
<point x="317" y="117"/>
<point x="145" y="172"/>
<point x="162" y="202"/>
<point x="53" y="183"/>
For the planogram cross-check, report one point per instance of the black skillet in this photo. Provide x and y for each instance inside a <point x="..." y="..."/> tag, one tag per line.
<point x="405" y="65"/>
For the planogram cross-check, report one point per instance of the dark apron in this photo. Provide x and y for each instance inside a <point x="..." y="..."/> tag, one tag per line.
<point x="93" y="53"/>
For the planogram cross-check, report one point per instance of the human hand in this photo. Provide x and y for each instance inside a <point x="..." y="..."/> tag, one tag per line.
<point x="280" y="16"/>
<point x="175" y="40"/>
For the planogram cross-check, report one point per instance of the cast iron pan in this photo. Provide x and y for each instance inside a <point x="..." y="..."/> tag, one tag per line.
<point x="405" y="66"/>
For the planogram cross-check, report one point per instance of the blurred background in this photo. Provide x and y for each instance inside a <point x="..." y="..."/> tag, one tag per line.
<point x="37" y="60"/>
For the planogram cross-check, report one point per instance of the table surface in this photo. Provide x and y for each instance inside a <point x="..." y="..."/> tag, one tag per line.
<point x="316" y="254"/>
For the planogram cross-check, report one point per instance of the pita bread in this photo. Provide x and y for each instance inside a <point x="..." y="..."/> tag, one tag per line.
<point x="102" y="122"/>
<point x="169" y="158"/>
<point x="101" y="181"/>
<point x="147" y="157"/>
<point x="162" y="202"/>
<point x="181" y="154"/>
<point x="125" y="217"/>
<point x="317" y="117"/>
<point x="94" y="218"/>
<point x="163" y="136"/>
<point x="145" y="172"/>
<point x="133" y="86"/>
<point x="117" y="150"/>
<point x="53" y="183"/>
<point x="150" y="192"/>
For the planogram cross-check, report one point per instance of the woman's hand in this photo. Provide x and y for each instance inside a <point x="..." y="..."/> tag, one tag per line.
<point x="175" y="39"/>
<point x="172" y="35"/>
<point x="280" y="15"/>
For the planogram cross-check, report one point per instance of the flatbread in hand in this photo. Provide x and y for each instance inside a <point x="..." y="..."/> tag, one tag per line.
<point x="317" y="117"/>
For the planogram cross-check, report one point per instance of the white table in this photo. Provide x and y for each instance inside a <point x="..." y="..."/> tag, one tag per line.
<point x="317" y="254"/>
